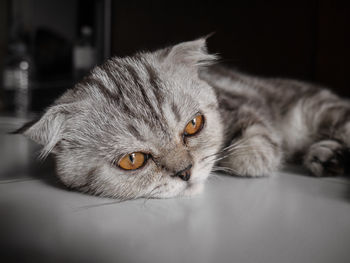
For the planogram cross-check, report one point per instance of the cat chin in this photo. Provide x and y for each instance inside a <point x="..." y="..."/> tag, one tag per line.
<point x="193" y="189"/>
<point x="184" y="190"/>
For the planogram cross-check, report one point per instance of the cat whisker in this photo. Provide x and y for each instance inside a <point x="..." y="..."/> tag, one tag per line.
<point x="227" y="148"/>
<point x="150" y="195"/>
<point x="234" y="147"/>
<point x="225" y="169"/>
<point x="240" y="152"/>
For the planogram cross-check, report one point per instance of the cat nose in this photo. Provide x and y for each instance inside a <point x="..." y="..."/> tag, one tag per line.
<point x="184" y="174"/>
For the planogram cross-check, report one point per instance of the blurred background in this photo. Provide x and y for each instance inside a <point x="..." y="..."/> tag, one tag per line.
<point x="47" y="46"/>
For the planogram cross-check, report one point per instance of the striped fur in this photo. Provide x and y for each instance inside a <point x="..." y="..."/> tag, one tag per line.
<point x="276" y="120"/>
<point x="143" y="103"/>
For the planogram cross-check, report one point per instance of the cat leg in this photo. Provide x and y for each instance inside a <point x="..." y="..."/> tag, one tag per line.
<point x="256" y="151"/>
<point x="331" y="124"/>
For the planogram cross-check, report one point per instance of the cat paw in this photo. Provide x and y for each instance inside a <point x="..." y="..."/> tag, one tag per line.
<point x="325" y="158"/>
<point x="255" y="159"/>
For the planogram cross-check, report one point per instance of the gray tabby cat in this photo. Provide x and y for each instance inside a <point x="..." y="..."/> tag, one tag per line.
<point x="154" y="125"/>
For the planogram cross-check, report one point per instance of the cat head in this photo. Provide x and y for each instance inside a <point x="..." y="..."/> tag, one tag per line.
<point x="139" y="126"/>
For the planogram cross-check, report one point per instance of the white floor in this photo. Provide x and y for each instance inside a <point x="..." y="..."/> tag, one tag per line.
<point x="289" y="217"/>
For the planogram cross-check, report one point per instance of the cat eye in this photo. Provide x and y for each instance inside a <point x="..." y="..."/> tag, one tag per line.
<point x="194" y="126"/>
<point x="133" y="161"/>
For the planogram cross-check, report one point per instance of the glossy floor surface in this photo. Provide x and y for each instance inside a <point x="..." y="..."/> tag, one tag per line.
<point x="289" y="217"/>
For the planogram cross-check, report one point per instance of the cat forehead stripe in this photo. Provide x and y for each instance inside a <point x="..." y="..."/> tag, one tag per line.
<point x="139" y="90"/>
<point x="176" y="111"/>
<point x="148" y="95"/>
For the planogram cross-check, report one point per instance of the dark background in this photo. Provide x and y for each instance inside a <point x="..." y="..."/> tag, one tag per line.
<point x="306" y="40"/>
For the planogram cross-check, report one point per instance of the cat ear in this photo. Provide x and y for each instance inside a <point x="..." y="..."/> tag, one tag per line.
<point x="192" y="53"/>
<point x="46" y="131"/>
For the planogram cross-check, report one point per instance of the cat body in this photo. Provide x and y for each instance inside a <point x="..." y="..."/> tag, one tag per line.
<point x="279" y="120"/>
<point x="157" y="123"/>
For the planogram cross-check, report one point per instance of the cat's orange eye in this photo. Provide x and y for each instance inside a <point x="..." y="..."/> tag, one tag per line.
<point x="194" y="126"/>
<point x="132" y="161"/>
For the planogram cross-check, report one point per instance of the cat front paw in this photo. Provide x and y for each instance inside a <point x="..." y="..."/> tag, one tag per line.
<point x="325" y="158"/>
<point x="255" y="158"/>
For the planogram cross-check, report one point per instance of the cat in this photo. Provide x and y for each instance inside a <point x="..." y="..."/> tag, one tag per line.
<point x="156" y="124"/>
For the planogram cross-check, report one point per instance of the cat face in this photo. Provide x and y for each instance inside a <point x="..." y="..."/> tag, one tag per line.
<point x="140" y="126"/>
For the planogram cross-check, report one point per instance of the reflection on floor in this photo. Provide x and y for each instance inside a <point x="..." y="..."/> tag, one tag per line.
<point x="288" y="217"/>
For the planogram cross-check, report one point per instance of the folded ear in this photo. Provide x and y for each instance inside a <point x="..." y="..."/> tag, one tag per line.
<point x="48" y="130"/>
<point x="192" y="53"/>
